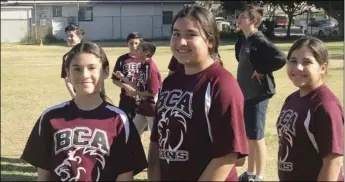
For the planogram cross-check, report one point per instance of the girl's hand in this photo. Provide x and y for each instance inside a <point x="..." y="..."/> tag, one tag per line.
<point x="131" y="93"/>
<point x="118" y="74"/>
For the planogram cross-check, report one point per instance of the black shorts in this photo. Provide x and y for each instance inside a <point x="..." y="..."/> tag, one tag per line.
<point x="255" y="118"/>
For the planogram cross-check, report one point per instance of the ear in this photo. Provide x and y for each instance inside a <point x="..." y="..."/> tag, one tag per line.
<point x="323" y="68"/>
<point x="106" y="72"/>
<point x="209" y="44"/>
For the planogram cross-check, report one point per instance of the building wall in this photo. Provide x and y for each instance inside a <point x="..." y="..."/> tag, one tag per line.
<point x="114" y="21"/>
<point x="15" y="24"/>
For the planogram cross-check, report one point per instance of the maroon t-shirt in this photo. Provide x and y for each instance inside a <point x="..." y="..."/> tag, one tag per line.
<point x="198" y="118"/>
<point x="129" y="67"/>
<point x="174" y="65"/>
<point x="63" y="66"/>
<point x="149" y="79"/>
<point x="79" y="145"/>
<point x="309" y="129"/>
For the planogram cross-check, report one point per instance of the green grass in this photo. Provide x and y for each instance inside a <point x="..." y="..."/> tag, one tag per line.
<point x="30" y="82"/>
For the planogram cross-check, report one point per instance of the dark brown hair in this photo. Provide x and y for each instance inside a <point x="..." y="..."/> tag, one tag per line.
<point x="207" y="23"/>
<point x="317" y="47"/>
<point x="92" y="48"/>
<point x="147" y="46"/>
<point x="254" y="13"/>
<point x="71" y="27"/>
<point x="133" y="35"/>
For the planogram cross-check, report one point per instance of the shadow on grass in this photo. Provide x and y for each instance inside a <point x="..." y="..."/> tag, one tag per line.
<point x="15" y="169"/>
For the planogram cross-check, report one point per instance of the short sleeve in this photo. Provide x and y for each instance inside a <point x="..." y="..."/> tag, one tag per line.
<point x="63" y="67"/>
<point x="328" y="129"/>
<point x="38" y="150"/>
<point x="127" y="152"/>
<point x="154" y="80"/>
<point x="117" y="67"/>
<point x="225" y="117"/>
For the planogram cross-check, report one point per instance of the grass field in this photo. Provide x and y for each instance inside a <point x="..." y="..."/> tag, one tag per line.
<point x="30" y="83"/>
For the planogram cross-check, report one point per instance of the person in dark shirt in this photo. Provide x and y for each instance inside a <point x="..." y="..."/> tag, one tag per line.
<point x="257" y="60"/>
<point x="129" y="67"/>
<point x="74" y="37"/>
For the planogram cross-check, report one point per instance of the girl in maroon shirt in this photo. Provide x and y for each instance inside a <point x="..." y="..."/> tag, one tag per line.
<point x="199" y="132"/>
<point x="311" y="122"/>
<point x="87" y="138"/>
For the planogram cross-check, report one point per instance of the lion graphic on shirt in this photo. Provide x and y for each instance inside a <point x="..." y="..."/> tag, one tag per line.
<point x="286" y="132"/>
<point x="64" y="170"/>
<point x="165" y="133"/>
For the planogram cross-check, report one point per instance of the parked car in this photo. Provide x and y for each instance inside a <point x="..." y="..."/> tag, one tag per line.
<point x="280" y="21"/>
<point x="322" y="28"/>
<point x="223" y="25"/>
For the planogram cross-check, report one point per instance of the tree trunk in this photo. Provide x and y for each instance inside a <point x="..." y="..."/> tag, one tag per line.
<point x="290" y="17"/>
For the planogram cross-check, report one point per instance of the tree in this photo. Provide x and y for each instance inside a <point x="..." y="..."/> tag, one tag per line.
<point x="205" y="4"/>
<point x="292" y="9"/>
<point x="334" y="9"/>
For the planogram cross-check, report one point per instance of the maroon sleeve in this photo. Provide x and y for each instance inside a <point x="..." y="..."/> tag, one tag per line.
<point x="127" y="152"/>
<point x="227" y="129"/>
<point x="328" y="129"/>
<point x="38" y="149"/>
<point x="118" y="67"/>
<point x="174" y="65"/>
<point x="63" y="68"/>
<point x="154" y="79"/>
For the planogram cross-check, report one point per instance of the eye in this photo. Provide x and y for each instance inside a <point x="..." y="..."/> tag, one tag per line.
<point x="305" y="63"/>
<point x="292" y="61"/>
<point x="76" y="69"/>
<point x="176" y="34"/>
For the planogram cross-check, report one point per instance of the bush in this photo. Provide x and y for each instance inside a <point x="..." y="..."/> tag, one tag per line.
<point x="31" y="38"/>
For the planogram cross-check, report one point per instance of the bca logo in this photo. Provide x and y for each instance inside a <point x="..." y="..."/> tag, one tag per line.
<point x="80" y="137"/>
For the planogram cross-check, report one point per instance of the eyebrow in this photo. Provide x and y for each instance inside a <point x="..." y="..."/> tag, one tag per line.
<point x="189" y="30"/>
<point x="76" y="65"/>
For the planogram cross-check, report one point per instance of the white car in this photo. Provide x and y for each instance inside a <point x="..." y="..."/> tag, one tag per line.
<point x="222" y="24"/>
<point x="322" y="28"/>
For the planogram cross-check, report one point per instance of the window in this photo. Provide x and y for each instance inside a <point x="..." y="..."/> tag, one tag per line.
<point x="85" y="14"/>
<point x="57" y="11"/>
<point x="167" y="17"/>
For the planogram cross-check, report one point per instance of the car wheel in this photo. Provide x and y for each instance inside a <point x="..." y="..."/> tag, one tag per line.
<point x="335" y="33"/>
<point x="321" y="34"/>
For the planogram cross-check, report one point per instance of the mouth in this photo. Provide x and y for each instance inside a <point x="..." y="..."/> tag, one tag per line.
<point x="299" y="76"/>
<point x="183" y="50"/>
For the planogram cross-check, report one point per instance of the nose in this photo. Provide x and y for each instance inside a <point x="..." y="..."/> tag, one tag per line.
<point x="299" y="67"/>
<point x="182" y="41"/>
<point x="86" y="73"/>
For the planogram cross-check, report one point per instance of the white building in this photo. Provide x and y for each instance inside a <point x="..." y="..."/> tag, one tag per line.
<point x="105" y="19"/>
<point x="15" y="23"/>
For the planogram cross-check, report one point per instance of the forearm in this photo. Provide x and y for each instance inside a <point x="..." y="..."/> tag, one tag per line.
<point x="43" y="175"/>
<point x="143" y="94"/>
<point x="331" y="168"/>
<point x="219" y="168"/>
<point x="153" y="170"/>
<point x="70" y="88"/>
<point x="120" y="84"/>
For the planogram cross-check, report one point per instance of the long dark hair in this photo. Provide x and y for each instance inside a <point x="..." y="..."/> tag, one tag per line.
<point x="207" y="23"/>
